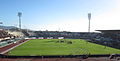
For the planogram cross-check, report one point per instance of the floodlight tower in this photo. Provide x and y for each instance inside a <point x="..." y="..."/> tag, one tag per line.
<point x="89" y="18"/>
<point x="1" y="22"/>
<point x="19" y="15"/>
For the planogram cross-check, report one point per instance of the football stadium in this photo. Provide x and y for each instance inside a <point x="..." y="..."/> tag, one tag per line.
<point x="54" y="44"/>
<point x="59" y="30"/>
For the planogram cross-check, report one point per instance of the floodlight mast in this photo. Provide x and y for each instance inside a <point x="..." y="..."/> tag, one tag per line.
<point x="1" y="22"/>
<point x="89" y="18"/>
<point x="19" y="15"/>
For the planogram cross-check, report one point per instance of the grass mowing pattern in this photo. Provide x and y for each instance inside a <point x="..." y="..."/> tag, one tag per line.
<point x="52" y="47"/>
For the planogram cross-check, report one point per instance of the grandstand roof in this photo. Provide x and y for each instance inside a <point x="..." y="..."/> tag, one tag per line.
<point x="109" y="31"/>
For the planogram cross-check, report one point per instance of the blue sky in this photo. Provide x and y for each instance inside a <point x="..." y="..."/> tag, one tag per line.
<point x="63" y="15"/>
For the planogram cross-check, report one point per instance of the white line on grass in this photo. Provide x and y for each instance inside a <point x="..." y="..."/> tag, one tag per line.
<point x="12" y="47"/>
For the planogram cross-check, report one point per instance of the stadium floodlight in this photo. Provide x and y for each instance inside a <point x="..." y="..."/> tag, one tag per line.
<point x="1" y="22"/>
<point x="89" y="18"/>
<point x="19" y="15"/>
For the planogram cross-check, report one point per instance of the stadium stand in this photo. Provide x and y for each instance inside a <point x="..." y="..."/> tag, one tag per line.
<point x="100" y="38"/>
<point x="16" y="33"/>
<point x="4" y="35"/>
<point x="110" y="38"/>
<point x="65" y="34"/>
<point x="7" y="37"/>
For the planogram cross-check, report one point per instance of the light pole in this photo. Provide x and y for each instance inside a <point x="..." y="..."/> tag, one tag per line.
<point x="1" y="23"/>
<point x="89" y="18"/>
<point x="19" y="15"/>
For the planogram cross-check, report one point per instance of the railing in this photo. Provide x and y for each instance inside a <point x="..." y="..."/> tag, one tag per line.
<point x="60" y="56"/>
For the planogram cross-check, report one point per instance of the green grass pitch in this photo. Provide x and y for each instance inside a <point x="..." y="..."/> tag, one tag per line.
<point x="60" y="47"/>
